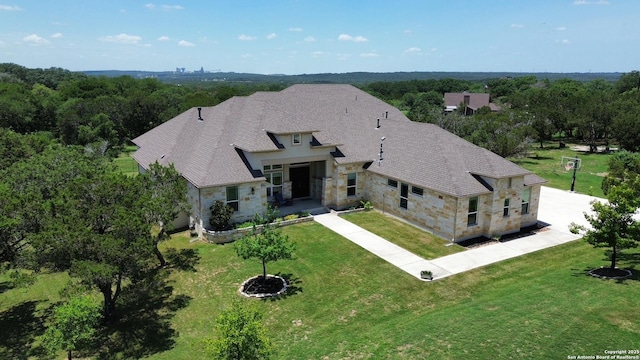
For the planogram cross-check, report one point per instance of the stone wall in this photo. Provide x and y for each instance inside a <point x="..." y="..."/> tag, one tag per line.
<point x="447" y="216"/>
<point x="340" y="198"/>
<point x="252" y="199"/>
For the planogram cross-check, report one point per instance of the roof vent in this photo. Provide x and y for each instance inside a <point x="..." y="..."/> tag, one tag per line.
<point x="200" y="114"/>
<point x="378" y="126"/>
<point x="386" y="114"/>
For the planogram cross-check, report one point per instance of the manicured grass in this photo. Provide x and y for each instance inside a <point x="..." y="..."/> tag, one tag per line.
<point x="125" y="163"/>
<point x="546" y="163"/>
<point x="419" y="242"/>
<point x="347" y="303"/>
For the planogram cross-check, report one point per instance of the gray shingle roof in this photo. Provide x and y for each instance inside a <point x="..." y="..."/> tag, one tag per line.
<point x="421" y="154"/>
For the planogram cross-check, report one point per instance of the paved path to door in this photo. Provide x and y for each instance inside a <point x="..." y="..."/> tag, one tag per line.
<point x="557" y="208"/>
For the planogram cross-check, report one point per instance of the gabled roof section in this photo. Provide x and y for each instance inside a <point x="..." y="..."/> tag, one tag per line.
<point x="214" y="151"/>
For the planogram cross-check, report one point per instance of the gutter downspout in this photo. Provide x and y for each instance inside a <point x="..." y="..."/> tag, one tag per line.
<point x="455" y="221"/>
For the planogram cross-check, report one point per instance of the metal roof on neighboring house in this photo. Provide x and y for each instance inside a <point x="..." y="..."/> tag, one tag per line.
<point x="205" y="151"/>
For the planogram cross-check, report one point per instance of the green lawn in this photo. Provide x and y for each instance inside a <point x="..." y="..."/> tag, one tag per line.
<point x="347" y="303"/>
<point x="546" y="163"/>
<point x="125" y="163"/>
<point x="409" y="237"/>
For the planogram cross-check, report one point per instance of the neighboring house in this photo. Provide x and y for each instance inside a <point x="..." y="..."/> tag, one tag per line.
<point x="323" y="142"/>
<point x="472" y="102"/>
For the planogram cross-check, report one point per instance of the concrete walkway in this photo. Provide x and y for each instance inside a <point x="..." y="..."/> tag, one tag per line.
<point x="557" y="209"/>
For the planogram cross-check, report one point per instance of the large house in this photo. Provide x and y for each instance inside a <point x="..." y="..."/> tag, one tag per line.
<point x="339" y="145"/>
<point x="471" y="102"/>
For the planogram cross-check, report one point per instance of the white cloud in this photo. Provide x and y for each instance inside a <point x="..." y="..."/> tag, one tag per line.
<point x="35" y="39"/>
<point x="585" y="2"/>
<point x="172" y="7"/>
<point x="56" y="36"/>
<point x="185" y="43"/>
<point x="150" y="6"/>
<point x="412" y="50"/>
<point x="561" y="28"/>
<point x="244" y="37"/>
<point x="246" y="56"/>
<point x="316" y="54"/>
<point x="163" y="38"/>
<point x="347" y="37"/>
<point x="271" y="36"/>
<point x="10" y="7"/>
<point x="122" y="39"/>
<point x="408" y="31"/>
<point x="371" y="54"/>
<point x="309" y="39"/>
<point x="563" y="41"/>
<point x="295" y="29"/>
<point x="517" y="26"/>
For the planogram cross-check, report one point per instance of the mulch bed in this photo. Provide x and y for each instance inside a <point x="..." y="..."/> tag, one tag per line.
<point x="264" y="287"/>
<point x="609" y="273"/>
<point x="484" y="241"/>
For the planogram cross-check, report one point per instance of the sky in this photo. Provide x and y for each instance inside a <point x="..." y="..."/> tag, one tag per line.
<point x="323" y="36"/>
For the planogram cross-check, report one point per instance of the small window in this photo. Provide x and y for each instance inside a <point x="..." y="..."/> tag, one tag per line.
<point x="232" y="197"/>
<point x="266" y="167"/>
<point x="404" y="194"/>
<point x="472" y="217"/>
<point x="505" y="209"/>
<point x="351" y="184"/>
<point x="276" y="166"/>
<point x="417" y="190"/>
<point x="392" y="183"/>
<point x="526" y="197"/>
<point x="296" y="139"/>
<point x="510" y="182"/>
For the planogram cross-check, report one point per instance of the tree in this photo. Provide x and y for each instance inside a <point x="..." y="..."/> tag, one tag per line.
<point x="613" y="225"/>
<point x="220" y="216"/>
<point x="166" y="198"/>
<point x="240" y="334"/>
<point x="623" y="166"/>
<point x="72" y="326"/>
<point x="266" y="244"/>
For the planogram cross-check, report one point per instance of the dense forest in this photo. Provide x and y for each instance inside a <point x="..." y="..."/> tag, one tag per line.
<point x="103" y="113"/>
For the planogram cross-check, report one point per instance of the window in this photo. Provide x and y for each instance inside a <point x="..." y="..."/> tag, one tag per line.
<point x="505" y="209"/>
<point x="472" y="217"/>
<point x="417" y="190"/>
<point x="404" y="193"/>
<point x="296" y="139"/>
<point x="392" y="183"/>
<point x="510" y="182"/>
<point x="526" y="197"/>
<point x="351" y="184"/>
<point x="274" y="178"/>
<point x="232" y="197"/>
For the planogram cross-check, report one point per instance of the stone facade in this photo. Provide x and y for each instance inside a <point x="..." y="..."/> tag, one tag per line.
<point x="447" y="216"/>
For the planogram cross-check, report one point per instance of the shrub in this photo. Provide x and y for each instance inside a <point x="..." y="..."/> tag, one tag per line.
<point x="220" y="216"/>
<point x="291" y="217"/>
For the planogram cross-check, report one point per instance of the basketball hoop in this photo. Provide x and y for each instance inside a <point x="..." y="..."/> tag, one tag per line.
<point x="569" y="166"/>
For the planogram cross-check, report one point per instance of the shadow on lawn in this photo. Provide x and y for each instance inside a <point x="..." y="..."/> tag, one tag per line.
<point x="19" y="327"/>
<point x="294" y="287"/>
<point x="147" y="308"/>
<point x="184" y="259"/>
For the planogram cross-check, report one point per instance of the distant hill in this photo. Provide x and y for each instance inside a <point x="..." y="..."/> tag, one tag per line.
<point x="342" y="78"/>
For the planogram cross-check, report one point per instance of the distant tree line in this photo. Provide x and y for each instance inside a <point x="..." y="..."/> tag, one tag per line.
<point x="597" y="112"/>
<point x="100" y="112"/>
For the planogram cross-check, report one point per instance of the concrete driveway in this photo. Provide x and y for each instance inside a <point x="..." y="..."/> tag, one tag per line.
<point x="557" y="208"/>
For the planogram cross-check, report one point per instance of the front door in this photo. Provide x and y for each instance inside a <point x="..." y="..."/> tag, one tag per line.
<point x="299" y="177"/>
